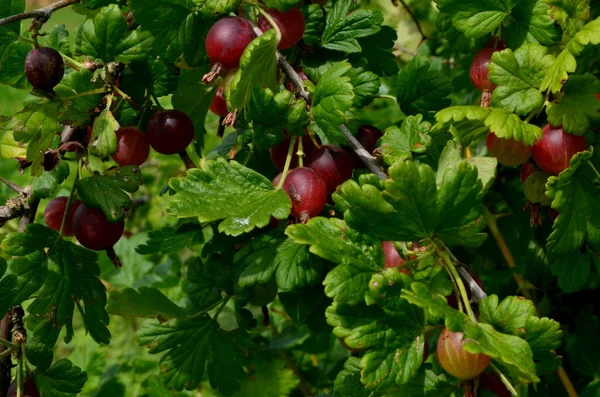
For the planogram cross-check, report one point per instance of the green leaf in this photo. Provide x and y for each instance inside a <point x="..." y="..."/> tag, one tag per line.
<point x="519" y="75"/>
<point x="207" y="279"/>
<point x="12" y="59"/>
<point x="347" y="382"/>
<point x="258" y="67"/>
<point x="398" y="144"/>
<point x="194" y="98"/>
<point x="530" y="23"/>
<point x="572" y="269"/>
<point x="215" y="9"/>
<point x="62" y="276"/>
<point x="107" y="192"/>
<point x="377" y="50"/>
<point x="281" y="5"/>
<point x="168" y="240"/>
<point x="190" y="347"/>
<point x="271" y="379"/>
<point x="58" y="38"/>
<point x="289" y="263"/>
<point x="145" y="302"/>
<point x="314" y="18"/>
<point x="106" y="38"/>
<point x="10" y="32"/>
<point x="578" y="107"/>
<point x="476" y="19"/>
<point x="422" y="90"/>
<point x="366" y="85"/>
<point x="103" y="142"/>
<point x="583" y="346"/>
<point x="333" y="97"/>
<point x="243" y="198"/>
<point x="343" y="29"/>
<point x="63" y="379"/>
<point x="46" y="184"/>
<point x="80" y="108"/>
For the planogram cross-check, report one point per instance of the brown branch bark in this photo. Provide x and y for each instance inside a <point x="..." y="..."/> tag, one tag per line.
<point x="5" y="362"/>
<point x="370" y="161"/>
<point x="42" y="13"/>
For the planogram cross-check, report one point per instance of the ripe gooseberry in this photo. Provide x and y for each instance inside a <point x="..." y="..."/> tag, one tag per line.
<point x="457" y="361"/>
<point x="391" y="257"/>
<point x="479" y="69"/>
<point x="279" y="151"/>
<point x="333" y="164"/>
<point x="368" y="135"/>
<point x="227" y="39"/>
<point x="29" y="388"/>
<point x="509" y="152"/>
<point x="535" y="188"/>
<point x="490" y="381"/>
<point x="170" y="131"/>
<point x="307" y="191"/>
<point x="261" y="294"/>
<point x="55" y="212"/>
<point x="94" y="231"/>
<point x="526" y="170"/>
<point x="44" y="68"/>
<point x="218" y="105"/>
<point x="291" y="24"/>
<point x="132" y="147"/>
<point x="554" y="151"/>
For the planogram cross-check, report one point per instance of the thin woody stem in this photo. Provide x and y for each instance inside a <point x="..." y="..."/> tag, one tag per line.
<point x="42" y="13"/>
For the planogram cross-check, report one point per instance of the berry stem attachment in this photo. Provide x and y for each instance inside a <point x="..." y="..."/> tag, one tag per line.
<point x="366" y="157"/>
<point x="288" y="161"/>
<point x="70" y="202"/>
<point x="91" y="92"/>
<point x="189" y="164"/>
<point x="504" y="380"/>
<point x="73" y="64"/>
<point x="271" y="21"/>
<point x="300" y="153"/>
<point x="41" y="13"/>
<point x="127" y="98"/>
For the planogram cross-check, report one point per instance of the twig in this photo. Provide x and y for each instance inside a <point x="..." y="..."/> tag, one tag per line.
<point x="5" y="362"/>
<point x="302" y="385"/>
<point x="12" y="186"/>
<point x="415" y="20"/>
<point x="571" y="392"/>
<point x="15" y="208"/>
<point x="42" y="13"/>
<point x="361" y="152"/>
<point x="29" y="213"/>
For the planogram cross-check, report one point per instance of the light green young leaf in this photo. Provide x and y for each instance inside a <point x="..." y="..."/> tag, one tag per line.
<point x="579" y="107"/>
<point x="342" y="29"/>
<point x="80" y="108"/>
<point x="228" y="191"/>
<point x="412" y="136"/>
<point x="104" y="138"/>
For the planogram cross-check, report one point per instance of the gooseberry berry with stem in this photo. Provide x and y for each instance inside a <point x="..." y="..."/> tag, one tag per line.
<point x="509" y="152"/>
<point x="391" y="257"/>
<point x="291" y="24"/>
<point x="333" y="164"/>
<point x="535" y="188"/>
<point x="526" y="170"/>
<point x="55" y="212"/>
<point x="479" y="71"/>
<point x="94" y="231"/>
<point x="133" y="147"/>
<point x="456" y="360"/>
<point x="227" y="39"/>
<point x="307" y="192"/>
<point x="279" y="151"/>
<point x="554" y="151"/>
<point x="44" y="68"/>
<point x="218" y="105"/>
<point x="170" y="131"/>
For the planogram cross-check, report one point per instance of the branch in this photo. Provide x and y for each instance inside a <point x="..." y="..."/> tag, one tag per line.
<point x="293" y="76"/>
<point x="15" y="208"/>
<point x="415" y="20"/>
<point x="5" y="362"/>
<point x="42" y="13"/>
<point x="361" y="152"/>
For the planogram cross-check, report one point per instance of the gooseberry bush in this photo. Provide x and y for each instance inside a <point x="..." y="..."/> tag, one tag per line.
<point x="300" y="198"/>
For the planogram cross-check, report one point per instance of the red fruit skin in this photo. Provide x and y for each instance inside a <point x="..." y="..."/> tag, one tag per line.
<point x="55" y="211"/>
<point x="44" y="68"/>
<point x="133" y="147"/>
<point x="94" y="231"/>
<point x="307" y="192"/>
<point x="391" y="257"/>
<point x="333" y="164"/>
<point x="170" y="131"/>
<point x="554" y="151"/>
<point x="490" y="381"/>
<point x="425" y="352"/>
<point x="227" y="39"/>
<point x="29" y="389"/>
<point x="279" y="151"/>
<point x="218" y="105"/>
<point x="291" y="24"/>
<point x="508" y="152"/>
<point x="368" y="135"/>
<point x="457" y="361"/>
<point x="479" y="69"/>
<point x="527" y="170"/>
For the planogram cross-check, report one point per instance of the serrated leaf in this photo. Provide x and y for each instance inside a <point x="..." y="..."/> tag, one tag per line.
<point x="578" y="108"/>
<point x="583" y="348"/>
<point x="146" y="302"/>
<point x="342" y="28"/>
<point x="60" y="274"/>
<point x="62" y="379"/>
<point x="518" y="76"/>
<point x="377" y="50"/>
<point x="107" y="192"/>
<point x="46" y="184"/>
<point x="347" y="382"/>
<point x="257" y="69"/>
<point x="366" y="85"/>
<point x="206" y="280"/>
<point x="476" y="19"/>
<point x="314" y="18"/>
<point x="228" y="191"/>
<point x="399" y="143"/>
<point x="215" y="9"/>
<point x="106" y="37"/>
<point x="78" y="108"/>
<point x="530" y="23"/>
<point x="103" y="142"/>
<point x="272" y="379"/>
<point x="12" y="59"/>
<point x="168" y="240"/>
<point x="58" y="38"/>
<point x="422" y="90"/>
<point x="10" y="32"/>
